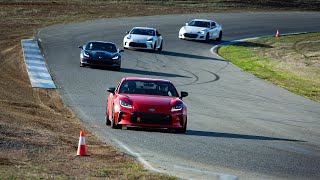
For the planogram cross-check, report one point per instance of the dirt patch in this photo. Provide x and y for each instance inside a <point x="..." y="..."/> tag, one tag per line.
<point x="38" y="134"/>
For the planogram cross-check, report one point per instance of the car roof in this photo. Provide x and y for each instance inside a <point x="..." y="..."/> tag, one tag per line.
<point x="207" y="20"/>
<point x="145" y="79"/>
<point x="144" y="28"/>
<point x="100" y="42"/>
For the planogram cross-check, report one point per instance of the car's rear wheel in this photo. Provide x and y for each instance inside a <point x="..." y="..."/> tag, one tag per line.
<point x="183" y="129"/>
<point x="113" y="123"/>
<point x="220" y="36"/>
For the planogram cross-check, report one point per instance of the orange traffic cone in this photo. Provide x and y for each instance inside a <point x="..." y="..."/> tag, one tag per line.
<point x="82" y="148"/>
<point x="277" y="34"/>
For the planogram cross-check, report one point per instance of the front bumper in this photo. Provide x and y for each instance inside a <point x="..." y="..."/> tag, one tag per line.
<point x="192" y="36"/>
<point x="129" y="44"/>
<point x="152" y="120"/>
<point x="94" y="62"/>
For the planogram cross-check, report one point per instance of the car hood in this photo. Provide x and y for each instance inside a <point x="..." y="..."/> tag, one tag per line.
<point x="139" y="38"/>
<point x="193" y="29"/>
<point x="160" y="104"/>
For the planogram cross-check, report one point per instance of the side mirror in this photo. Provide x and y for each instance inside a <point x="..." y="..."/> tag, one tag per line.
<point x="121" y="50"/>
<point x="187" y="24"/>
<point x="111" y="90"/>
<point x="184" y="94"/>
<point x="81" y="47"/>
<point x="127" y="32"/>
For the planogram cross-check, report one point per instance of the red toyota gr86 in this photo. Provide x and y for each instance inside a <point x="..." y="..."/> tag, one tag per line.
<point x="146" y="102"/>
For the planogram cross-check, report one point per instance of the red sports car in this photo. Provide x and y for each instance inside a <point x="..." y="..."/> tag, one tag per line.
<point x="146" y="102"/>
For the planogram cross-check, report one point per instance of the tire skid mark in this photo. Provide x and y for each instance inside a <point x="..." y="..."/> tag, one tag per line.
<point x="196" y="78"/>
<point x="217" y="77"/>
<point x="222" y="68"/>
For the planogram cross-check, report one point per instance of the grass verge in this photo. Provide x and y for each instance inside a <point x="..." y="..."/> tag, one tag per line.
<point x="291" y="62"/>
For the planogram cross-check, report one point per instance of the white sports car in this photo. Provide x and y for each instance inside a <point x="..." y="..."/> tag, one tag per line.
<point x="201" y="29"/>
<point x="143" y="38"/>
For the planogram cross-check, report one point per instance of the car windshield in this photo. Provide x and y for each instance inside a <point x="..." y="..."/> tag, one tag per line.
<point x="199" y="24"/>
<point x="101" y="47"/>
<point x="148" y="32"/>
<point x="148" y="88"/>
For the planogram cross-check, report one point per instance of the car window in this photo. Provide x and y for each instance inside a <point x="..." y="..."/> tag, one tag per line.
<point x="101" y="47"/>
<point x="148" y="32"/>
<point x="200" y="24"/>
<point x="213" y="24"/>
<point x="148" y="88"/>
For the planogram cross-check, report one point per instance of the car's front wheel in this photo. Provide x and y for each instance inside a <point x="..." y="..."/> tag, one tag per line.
<point x="183" y="129"/>
<point x="113" y="123"/>
<point x="108" y="122"/>
<point x="160" y="48"/>
<point x="154" y="47"/>
<point x="207" y="37"/>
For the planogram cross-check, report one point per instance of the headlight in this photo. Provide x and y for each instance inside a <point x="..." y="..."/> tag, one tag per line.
<point x="176" y="107"/>
<point x="125" y="104"/>
<point x="150" y="39"/>
<point x="128" y="37"/>
<point x="116" y="57"/>
<point x="202" y="32"/>
<point x="182" y="30"/>
<point x="86" y="54"/>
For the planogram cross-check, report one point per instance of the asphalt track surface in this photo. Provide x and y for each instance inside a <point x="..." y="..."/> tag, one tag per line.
<point x="238" y="125"/>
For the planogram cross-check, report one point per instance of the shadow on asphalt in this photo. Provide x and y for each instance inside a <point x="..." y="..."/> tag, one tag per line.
<point x="151" y="73"/>
<point x="236" y="136"/>
<point x="141" y="72"/>
<point x="214" y="134"/>
<point x="191" y="56"/>
<point x="244" y="44"/>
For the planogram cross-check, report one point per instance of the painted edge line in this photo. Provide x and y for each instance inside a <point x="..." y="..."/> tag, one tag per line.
<point x="37" y="69"/>
<point x="214" y="49"/>
<point x="139" y="158"/>
<point x="148" y="166"/>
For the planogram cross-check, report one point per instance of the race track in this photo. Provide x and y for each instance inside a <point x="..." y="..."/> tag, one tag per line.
<point x="238" y="125"/>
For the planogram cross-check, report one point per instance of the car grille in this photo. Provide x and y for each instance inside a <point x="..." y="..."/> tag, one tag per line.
<point x="151" y="118"/>
<point x="141" y="45"/>
<point x="189" y="35"/>
<point x="100" y="62"/>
